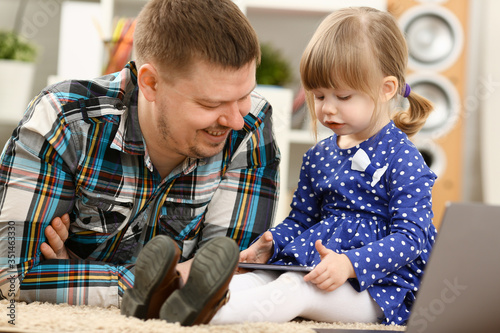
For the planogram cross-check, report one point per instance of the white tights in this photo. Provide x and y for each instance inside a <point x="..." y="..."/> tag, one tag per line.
<point x="267" y="296"/>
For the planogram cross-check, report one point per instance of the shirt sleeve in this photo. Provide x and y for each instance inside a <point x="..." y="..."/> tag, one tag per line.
<point x="409" y="184"/>
<point x="244" y="204"/>
<point x="37" y="184"/>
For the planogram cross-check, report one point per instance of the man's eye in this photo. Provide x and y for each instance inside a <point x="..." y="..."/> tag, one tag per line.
<point x="210" y="106"/>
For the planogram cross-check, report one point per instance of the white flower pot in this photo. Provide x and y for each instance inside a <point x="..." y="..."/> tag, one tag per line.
<point x="16" y="83"/>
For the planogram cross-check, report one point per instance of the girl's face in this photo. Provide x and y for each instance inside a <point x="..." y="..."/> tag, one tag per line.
<point x="349" y="113"/>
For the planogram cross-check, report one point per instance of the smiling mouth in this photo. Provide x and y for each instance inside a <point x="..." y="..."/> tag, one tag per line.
<point x="216" y="133"/>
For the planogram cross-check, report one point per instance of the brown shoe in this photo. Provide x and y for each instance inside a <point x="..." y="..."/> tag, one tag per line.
<point x="206" y="289"/>
<point x="156" y="278"/>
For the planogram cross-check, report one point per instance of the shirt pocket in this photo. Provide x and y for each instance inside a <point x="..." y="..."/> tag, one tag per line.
<point x="97" y="218"/>
<point x="101" y="213"/>
<point x="183" y="219"/>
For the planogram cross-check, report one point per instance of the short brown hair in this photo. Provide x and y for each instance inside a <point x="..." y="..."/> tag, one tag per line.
<point x="356" y="48"/>
<point x="173" y="33"/>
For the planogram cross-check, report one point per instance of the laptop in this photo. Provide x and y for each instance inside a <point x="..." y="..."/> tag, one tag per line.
<point x="460" y="290"/>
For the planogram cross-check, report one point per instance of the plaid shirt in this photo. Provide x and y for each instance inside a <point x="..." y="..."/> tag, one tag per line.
<point x="79" y="149"/>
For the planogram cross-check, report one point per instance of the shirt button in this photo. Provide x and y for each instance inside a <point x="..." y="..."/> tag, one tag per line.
<point x="119" y="106"/>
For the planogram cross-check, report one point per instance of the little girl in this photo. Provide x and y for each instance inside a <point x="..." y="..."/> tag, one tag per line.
<point x="362" y="212"/>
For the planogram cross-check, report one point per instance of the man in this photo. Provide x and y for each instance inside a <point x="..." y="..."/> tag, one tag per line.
<point x="175" y="144"/>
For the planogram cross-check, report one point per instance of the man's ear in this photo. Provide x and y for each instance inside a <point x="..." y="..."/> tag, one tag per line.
<point x="147" y="79"/>
<point x="389" y="88"/>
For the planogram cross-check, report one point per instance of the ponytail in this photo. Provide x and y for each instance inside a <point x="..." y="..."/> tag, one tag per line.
<point x="412" y="120"/>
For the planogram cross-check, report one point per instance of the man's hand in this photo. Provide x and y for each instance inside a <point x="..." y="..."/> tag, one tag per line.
<point x="184" y="268"/>
<point x="333" y="270"/>
<point x="260" y="251"/>
<point x="56" y="233"/>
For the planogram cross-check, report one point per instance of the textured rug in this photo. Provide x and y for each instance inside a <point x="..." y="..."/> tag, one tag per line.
<point x="44" y="317"/>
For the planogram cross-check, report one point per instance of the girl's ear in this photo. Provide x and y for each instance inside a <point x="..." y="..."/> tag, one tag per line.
<point x="389" y="88"/>
<point x="147" y="79"/>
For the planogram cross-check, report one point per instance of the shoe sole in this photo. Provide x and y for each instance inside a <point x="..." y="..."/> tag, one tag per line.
<point x="211" y="271"/>
<point x="155" y="278"/>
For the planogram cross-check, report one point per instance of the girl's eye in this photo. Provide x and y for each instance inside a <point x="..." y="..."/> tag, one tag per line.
<point x="319" y="98"/>
<point x="344" y="98"/>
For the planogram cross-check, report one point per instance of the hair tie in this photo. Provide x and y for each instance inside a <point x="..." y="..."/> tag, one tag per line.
<point x="407" y="91"/>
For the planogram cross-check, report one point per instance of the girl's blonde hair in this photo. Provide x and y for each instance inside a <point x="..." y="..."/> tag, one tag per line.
<point x="355" y="48"/>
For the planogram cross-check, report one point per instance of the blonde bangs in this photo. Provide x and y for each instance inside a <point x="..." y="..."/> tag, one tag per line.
<point x="339" y="56"/>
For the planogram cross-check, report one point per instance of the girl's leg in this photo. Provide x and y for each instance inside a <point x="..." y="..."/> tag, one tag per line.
<point x="279" y="300"/>
<point x="344" y="304"/>
<point x="251" y="280"/>
<point x="289" y="296"/>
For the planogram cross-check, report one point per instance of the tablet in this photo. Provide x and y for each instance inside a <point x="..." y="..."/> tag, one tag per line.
<point x="283" y="268"/>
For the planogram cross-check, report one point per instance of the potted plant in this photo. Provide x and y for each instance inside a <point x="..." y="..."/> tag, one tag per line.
<point x="274" y="69"/>
<point x="273" y="75"/>
<point x="14" y="47"/>
<point x="17" y="65"/>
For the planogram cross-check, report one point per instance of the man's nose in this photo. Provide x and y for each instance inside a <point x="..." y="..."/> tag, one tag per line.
<point x="233" y="117"/>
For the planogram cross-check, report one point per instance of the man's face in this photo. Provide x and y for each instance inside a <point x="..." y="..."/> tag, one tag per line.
<point x="195" y="114"/>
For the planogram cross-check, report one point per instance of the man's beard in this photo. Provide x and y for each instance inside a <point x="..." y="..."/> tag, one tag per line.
<point x="192" y="151"/>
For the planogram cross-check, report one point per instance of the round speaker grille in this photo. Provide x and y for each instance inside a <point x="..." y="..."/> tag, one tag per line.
<point x="434" y="36"/>
<point x="445" y="99"/>
<point x="433" y="155"/>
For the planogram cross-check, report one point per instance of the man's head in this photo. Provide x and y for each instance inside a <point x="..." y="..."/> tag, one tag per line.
<point x="196" y="62"/>
<point x="173" y="34"/>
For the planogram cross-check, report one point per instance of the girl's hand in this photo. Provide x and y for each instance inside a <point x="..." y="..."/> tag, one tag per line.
<point x="260" y="251"/>
<point x="333" y="270"/>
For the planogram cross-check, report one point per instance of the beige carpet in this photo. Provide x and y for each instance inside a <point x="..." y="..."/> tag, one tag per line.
<point x="43" y="317"/>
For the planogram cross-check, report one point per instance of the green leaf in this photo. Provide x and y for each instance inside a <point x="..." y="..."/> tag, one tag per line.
<point x="274" y="69"/>
<point x="14" y="47"/>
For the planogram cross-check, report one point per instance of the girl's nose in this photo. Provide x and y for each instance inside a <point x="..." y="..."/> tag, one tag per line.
<point x="329" y="108"/>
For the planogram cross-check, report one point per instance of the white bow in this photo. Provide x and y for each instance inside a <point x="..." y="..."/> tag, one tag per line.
<point x="361" y="162"/>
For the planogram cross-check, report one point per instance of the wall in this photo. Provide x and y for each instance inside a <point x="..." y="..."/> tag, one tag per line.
<point x="40" y="24"/>
<point x="487" y="92"/>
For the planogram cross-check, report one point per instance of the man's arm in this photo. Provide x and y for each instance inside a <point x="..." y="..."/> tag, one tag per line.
<point x="37" y="174"/>
<point x="244" y="204"/>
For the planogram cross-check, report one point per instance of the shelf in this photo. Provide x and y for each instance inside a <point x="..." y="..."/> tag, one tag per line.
<point x="318" y="6"/>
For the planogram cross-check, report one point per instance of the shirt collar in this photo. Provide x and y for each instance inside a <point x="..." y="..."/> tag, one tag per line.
<point x="129" y="138"/>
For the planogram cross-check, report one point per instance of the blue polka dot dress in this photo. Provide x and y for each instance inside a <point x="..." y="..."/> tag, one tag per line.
<point x="379" y="215"/>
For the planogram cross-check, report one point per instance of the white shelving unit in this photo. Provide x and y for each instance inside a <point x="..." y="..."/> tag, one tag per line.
<point x="288" y="24"/>
<point x="310" y="6"/>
